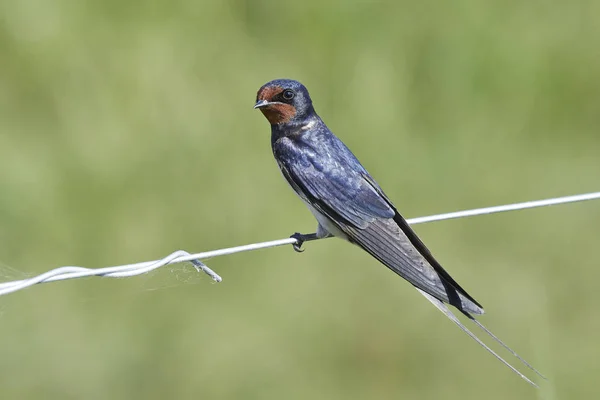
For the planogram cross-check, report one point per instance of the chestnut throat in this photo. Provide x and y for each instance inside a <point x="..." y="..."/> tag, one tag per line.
<point x="279" y="113"/>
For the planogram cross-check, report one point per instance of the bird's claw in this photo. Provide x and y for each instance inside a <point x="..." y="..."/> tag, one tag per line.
<point x="299" y="242"/>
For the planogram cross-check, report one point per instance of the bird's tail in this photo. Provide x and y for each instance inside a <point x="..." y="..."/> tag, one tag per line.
<point x="446" y="311"/>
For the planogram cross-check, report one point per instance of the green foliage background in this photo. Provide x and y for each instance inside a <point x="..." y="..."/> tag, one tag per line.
<point x="127" y="132"/>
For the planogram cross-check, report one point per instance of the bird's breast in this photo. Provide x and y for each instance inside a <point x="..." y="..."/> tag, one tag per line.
<point x="325" y="222"/>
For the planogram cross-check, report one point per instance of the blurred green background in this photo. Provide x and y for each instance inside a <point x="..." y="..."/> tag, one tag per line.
<point x="127" y="132"/>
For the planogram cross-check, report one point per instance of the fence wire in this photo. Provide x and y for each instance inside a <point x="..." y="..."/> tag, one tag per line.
<point x="123" y="271"/>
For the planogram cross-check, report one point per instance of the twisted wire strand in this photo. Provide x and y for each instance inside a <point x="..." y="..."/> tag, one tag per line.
<point x="127" y="270"/>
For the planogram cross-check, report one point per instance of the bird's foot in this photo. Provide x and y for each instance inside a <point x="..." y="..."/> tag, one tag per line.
<point x="300" y="239"/>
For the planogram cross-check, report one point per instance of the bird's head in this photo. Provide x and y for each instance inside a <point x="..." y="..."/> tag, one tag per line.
<point x="283" y="101"/>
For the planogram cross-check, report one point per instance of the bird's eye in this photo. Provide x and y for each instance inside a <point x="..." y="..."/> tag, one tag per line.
<point x="288" y="94"/>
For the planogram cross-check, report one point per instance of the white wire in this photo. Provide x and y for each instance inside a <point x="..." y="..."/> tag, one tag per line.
<point x="121" y="271"/>
<point x="507" y="207"/>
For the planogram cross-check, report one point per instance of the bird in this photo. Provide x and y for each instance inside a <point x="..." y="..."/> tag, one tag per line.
<point x="349" y="204"/>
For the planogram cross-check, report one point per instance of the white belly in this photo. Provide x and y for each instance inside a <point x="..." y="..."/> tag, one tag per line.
<point x="325" y="224"/>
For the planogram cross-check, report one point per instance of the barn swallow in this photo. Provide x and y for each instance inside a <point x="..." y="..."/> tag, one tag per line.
<point x="349" y="204"/>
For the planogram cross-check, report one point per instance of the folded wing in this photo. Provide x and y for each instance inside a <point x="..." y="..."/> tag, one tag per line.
<point x="358" y="206"/>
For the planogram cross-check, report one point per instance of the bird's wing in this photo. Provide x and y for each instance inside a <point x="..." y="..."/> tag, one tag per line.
<point x="356" y="204"/>
<point x="353" y="201"/>
<point x="347" y="196"/>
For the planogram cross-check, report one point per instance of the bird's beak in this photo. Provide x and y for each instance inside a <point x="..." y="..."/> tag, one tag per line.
<point x="261" y="104"/>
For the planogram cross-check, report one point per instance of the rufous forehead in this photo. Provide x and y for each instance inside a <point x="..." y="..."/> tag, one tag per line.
<point x="267" y="93"/>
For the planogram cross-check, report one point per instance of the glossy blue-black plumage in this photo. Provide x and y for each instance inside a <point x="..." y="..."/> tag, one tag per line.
<point x="339" y="190"/>
<point x="348" y="202"/>
<point x="329" y="173"/>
